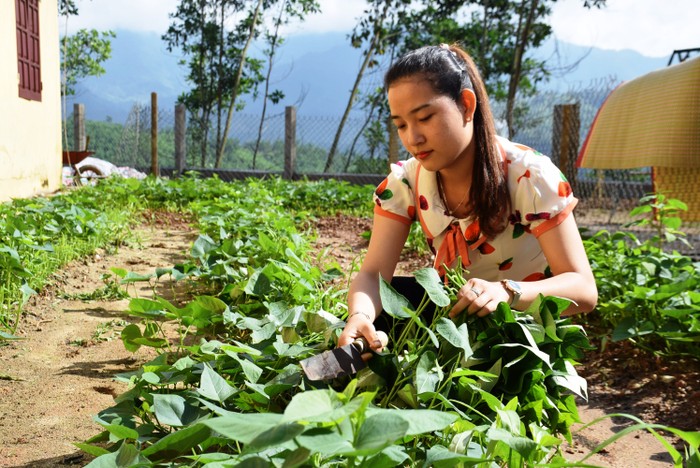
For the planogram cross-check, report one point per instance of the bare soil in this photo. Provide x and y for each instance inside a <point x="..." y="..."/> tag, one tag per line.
<point x="60" y="375"/>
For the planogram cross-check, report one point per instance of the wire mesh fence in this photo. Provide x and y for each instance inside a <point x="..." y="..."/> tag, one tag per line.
<point x="256" y="147"/>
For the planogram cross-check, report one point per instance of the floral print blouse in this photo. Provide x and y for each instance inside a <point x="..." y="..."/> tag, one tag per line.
<point x="541" y="198"/>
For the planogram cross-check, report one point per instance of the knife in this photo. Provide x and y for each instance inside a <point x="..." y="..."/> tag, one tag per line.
<point x="345" y="360"/>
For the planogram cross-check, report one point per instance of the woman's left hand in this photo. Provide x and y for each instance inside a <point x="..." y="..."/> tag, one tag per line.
<point x="479" y="297"/>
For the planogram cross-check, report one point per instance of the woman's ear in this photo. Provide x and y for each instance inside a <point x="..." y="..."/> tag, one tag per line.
<point x="469" y="102"/>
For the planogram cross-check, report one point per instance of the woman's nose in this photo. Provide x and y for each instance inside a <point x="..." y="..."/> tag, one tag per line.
<point x="415" y="137"/>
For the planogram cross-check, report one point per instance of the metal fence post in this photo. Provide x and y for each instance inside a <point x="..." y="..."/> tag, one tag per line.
<point x="290" y="141"/>
<point x="79" y="140"/>
<point x="154" y="135"/>
<point x="565" y="139"/>
<point x="180" y="140"/>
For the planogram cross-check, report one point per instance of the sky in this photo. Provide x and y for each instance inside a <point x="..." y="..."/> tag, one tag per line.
<point x="653" y="28"/>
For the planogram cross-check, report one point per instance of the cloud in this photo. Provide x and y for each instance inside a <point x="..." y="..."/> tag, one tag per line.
<point x="653" y="28"/>
<point x="152" y="15"/>
<point x="335" y="16"/>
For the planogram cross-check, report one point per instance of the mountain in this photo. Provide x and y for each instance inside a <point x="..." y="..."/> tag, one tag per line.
<point x="315" y="72"/>
<point x="575" y="66"/>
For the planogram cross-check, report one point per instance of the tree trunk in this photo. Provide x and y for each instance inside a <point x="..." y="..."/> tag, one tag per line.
<point x="353" y="93"/>
<point x="522" y="39"/>
<point x="204" y="120"/>
<point x="220" y="65"/>
<point x="239" y="74"/>
<point x="273" y="46"/>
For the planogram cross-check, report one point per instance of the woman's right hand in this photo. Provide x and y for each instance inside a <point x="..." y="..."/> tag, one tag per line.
<point x="358" y="326"/>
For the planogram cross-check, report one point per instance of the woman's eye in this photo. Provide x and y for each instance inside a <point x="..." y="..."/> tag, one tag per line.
<point x="426" y="118"/>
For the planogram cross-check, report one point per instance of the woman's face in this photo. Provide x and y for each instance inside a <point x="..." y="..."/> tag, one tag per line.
<point x="432" y="127"/>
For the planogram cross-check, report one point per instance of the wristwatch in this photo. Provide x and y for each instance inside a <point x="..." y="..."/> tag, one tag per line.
<point x="515" y="288"/>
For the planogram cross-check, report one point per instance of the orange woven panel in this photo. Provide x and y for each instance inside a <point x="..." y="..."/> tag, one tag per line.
<point x="653" y="120"/>
<point x="682" y="184"/>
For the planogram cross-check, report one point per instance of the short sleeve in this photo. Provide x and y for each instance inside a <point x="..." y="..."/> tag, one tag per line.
<point x="394" y="198"/>
<point x="543" y="197"/>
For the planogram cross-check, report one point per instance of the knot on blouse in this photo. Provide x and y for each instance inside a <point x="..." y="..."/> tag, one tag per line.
<point x="455" y="244"/>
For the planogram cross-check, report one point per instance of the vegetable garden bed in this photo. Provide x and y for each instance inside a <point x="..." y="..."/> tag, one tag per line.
<point x="259" y="303"/>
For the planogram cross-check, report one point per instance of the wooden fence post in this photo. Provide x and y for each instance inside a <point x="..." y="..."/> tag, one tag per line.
<point x="180" y="139"/>
<point x="154" y="135"/>
<point x="290" y="141"/>
<point x="565" y="139"/>
<point x="79" y="139"/>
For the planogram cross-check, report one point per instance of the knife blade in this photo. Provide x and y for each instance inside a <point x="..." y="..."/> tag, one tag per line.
<point x="345" y="360"/>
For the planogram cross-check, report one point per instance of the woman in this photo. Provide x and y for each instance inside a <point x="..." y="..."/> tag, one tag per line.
<point x="503" y="210"/>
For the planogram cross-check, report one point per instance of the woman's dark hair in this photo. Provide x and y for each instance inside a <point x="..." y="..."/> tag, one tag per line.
<point x="449" y="70"/>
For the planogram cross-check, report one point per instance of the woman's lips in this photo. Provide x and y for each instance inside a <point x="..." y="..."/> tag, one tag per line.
<point x="423" y="154"/>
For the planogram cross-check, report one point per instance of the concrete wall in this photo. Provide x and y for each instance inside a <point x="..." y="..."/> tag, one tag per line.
<point x="30" y="131"/>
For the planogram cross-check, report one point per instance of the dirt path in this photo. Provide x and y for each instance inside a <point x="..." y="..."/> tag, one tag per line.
<point x="61" y="373"/>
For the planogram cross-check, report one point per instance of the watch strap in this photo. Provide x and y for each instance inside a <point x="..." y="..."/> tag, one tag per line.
<point x="515" y="289"/>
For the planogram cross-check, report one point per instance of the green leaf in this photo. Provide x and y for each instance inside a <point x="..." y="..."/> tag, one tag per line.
<point x="389" y="458"/>
<point x="296" y="458"/>
<point x="213" y="386"/>
<point x="322" y="406"/>
<point x="129" y="334"/>
<point x="544" y="357"/>
<point x="379" y="431"/>
<point x="213" y="305"/>
<point x="126" y="456"/>
<point x="524" y="446"/>
<point x="132" y="277"/>
<point x="202" y="246"/>
<point x="258" y="285"/>
<point x="173" y="410"/>
<point x="433" y="285"/>
<point x="27" y="292"/>
<point x="122" y="432"/>
<point x="393" y="303"/>
<point x="311" y="405"/>
<point x="243" y="427"/>
<point x="275" y="437"/>
<point x="510" y="420"/>
<point x="120" y="272"/>
<point x="177" y="443"/>
<point x="457" y="337"/>
<point x="324" y="440"/>
<point x="428" y="373"/>
<point x="420" y="421"/>
<point x="571" y="380"/>
<point x="251" y="371"/>
<point x="91" y="450"/>
<point x="439" y="456"/>
<point x="8" y="336"/>
<point x="629" y="328"/>
<point x="147" y="308"/>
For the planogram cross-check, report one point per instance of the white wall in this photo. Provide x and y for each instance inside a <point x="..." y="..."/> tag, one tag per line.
<point x="30" y="131"/>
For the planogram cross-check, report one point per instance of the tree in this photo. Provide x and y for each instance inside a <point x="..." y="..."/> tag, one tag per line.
<point x="215" y="56"/>
<point x="376" y="29"/>
<point x="289" y="9"/>
<point x="250" y="25"/>
<point x="498" y="34"/>
<point x="82" y="53"/>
